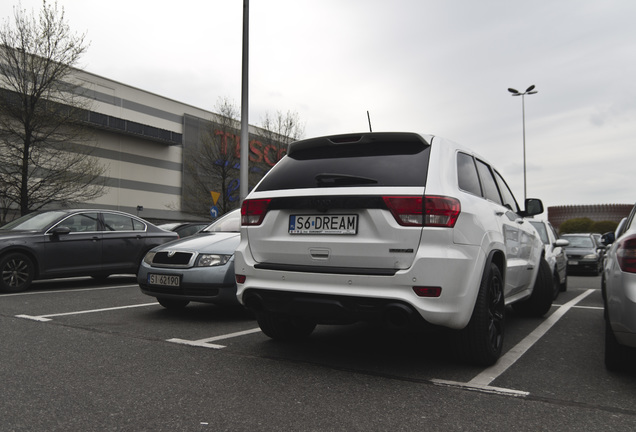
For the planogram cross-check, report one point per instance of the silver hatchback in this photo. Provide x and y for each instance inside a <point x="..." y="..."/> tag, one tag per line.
<point x="198" y="268"/>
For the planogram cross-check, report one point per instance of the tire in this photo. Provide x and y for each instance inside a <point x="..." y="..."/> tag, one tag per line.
<point x="283" y="327"/>
<point x="564" y="285"/>
<point x="617" y="356"/>
<point x="173" y="304"/>
<point x="481" y="341"/>
<point x="540" y="301"/>
<point x="556" y="285"/>
<point x="17" y="272"/>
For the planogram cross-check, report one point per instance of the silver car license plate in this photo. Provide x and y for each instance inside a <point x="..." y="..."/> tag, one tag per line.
<point x="163" y="280"/>
<point x="323" y="224"/>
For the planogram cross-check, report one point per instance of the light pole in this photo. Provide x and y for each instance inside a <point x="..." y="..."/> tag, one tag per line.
<point x="530" y="90"/>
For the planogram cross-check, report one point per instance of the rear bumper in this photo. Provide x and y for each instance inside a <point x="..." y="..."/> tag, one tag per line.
<point x="339" y="297"/>
<point x="330" y="309"/>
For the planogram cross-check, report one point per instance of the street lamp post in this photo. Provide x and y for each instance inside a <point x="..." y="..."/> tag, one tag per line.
<point x="530" y="90"/>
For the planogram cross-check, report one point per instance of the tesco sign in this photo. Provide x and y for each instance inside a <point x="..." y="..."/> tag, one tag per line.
<point x="258" y="152"/>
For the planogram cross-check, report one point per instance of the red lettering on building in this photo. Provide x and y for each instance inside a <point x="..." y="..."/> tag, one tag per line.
<point x="256" y="153"/>
<point x="271" y="153"/>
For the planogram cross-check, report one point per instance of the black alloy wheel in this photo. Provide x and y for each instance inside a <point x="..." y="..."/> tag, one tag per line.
<point x="17" y="272"/>
<point x="481" y="341"/>
<point x="557" y="285"/>
<point x="496" y="313"/>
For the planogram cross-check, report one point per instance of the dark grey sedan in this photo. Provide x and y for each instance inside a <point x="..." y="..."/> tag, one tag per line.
<point x="68" y="243"/>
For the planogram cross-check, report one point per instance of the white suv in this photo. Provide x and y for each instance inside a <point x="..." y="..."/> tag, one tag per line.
<point x="406" y="229"/>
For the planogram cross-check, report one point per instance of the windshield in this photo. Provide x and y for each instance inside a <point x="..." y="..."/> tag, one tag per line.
<point x="33" y="221"/>
<point x="580" y="242"/>
<point x="229" y="222"/>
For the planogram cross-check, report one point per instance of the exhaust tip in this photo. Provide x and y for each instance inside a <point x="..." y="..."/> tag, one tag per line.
<point x="253" y="302"/>
<point x="398" y="316"/>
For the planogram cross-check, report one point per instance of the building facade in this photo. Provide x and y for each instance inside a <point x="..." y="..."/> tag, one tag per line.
<point x="143" y="140"/>
<point x="596" y="212"/>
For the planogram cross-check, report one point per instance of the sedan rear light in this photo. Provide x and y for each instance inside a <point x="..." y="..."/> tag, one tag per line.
<point x="626" y="254"/>
<point x="253" y="211"/>
<point x="437" y="211"/>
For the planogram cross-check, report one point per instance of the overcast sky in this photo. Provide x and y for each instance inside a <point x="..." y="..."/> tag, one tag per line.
<point x="432" y="66"/>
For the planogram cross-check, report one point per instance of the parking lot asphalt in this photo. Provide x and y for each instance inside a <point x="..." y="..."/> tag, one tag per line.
<point x="82" y="355"/>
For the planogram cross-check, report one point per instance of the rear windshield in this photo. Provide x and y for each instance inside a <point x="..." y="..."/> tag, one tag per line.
<point x="360" y="164"/>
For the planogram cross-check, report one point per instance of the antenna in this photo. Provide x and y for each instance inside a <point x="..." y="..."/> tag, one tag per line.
<point x="369" y="117"/>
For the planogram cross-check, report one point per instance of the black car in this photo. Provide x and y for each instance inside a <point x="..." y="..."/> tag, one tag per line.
<point x="585" y="253"/>
<point x="67" y="243"/>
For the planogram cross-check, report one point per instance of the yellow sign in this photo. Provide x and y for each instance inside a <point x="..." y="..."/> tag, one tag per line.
<point x="215" y="196"/>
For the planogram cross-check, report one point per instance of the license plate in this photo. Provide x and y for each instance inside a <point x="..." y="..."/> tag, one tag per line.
<point x="573" y="262"/>
<point x="323" y="224"/>
<point x="163" y="280"/>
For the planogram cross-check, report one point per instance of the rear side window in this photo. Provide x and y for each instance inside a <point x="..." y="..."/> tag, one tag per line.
<point x="378" y="163"/>
<point x="117" y="222"/>
<point x="467" y="174"/>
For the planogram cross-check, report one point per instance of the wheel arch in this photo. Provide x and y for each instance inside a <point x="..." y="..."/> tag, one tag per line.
<point x="29" y="253"/>
<point x="498" y="258"/>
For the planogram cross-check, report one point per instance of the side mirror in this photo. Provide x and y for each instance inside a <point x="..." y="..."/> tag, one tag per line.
<point x="534" y="206"/>
<point x="60" y="231"/>
<point x="561" y="243"/>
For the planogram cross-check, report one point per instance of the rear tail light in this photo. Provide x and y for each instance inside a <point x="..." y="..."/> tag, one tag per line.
<point x="437" y="211"/>
<point x="253" y="211"/>
<point x="626" y="254"/>
<point x="240" y="279"/>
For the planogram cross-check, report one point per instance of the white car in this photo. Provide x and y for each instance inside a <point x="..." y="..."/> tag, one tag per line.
<point x="555" y="254"/>
<point x="618" y="286"/>
<point x="400" y="228"/>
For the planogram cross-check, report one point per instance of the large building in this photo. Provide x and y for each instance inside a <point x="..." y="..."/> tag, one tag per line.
<point x="143" y="140"/>
<point x="596" y="212"/>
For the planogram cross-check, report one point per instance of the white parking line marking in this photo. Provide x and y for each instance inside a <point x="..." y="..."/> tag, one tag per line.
<point x="489" y="375"/>
<point x="481" y="388"/>
<point x="47" y="317"/>
<point x="205" y="342"/>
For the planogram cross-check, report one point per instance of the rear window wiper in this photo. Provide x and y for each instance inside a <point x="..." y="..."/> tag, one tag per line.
<point x="327" y="179"/>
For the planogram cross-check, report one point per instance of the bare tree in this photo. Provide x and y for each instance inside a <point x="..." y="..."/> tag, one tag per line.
<point x="280" y="129"/>
<point x="213" y="165"/>
<point x="45" y="150"/>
